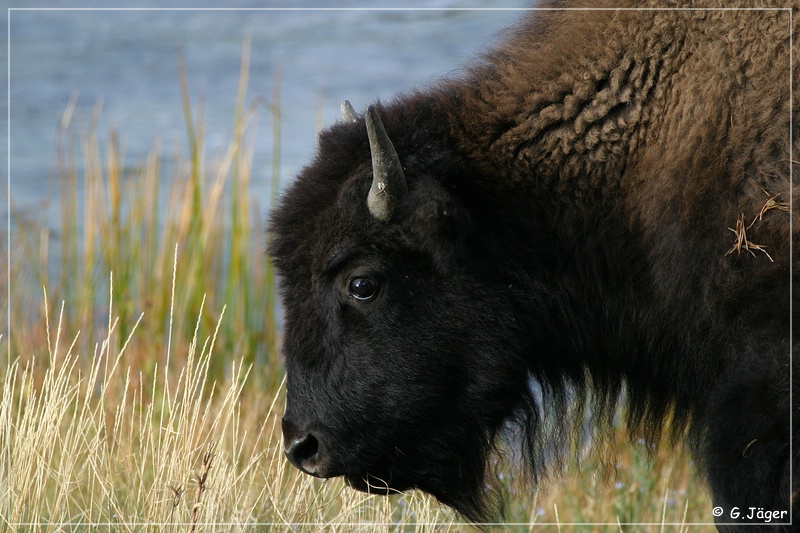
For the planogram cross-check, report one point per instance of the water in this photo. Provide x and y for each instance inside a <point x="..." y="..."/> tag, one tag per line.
<point x="127" y="60"/>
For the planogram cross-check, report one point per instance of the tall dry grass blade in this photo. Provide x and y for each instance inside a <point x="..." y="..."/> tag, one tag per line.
<point x="9" y="384"/>
<point x="276" y="136"/>
<point x="68" y="194"/>
<point x="171" y="317"/>
<point x="47" y="322"/>
<point x="187" y="106"/>
<point x="683" y="520"/>
<point x="558" y="521"/>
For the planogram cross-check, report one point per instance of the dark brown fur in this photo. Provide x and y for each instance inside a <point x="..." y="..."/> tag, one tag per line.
<point x="578" y="185"/>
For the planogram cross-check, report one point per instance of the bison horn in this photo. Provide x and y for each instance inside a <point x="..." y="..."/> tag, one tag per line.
<point x="348" y="113"/>
<point x="388" y="181"/>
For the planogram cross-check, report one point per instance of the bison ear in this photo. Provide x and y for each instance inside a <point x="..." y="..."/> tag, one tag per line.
<point x="437" y="222"/>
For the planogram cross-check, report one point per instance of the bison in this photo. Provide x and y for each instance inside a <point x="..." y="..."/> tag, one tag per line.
<point x="601" y="205"/>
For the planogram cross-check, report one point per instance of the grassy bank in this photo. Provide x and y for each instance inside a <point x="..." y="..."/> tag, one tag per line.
<point x="88" y="440"/>
<point x="143" y="387"/>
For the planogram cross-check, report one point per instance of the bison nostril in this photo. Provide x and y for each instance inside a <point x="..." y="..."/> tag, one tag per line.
<point x="302" y="453"/>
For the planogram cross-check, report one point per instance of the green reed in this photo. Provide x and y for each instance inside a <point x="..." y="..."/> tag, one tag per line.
<point x="128" y="219"/>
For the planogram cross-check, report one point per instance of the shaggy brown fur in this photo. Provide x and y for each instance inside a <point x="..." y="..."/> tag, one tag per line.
<point x="581" y="203"/>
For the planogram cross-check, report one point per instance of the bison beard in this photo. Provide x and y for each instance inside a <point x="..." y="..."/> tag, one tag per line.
<point x="561" y="213"/>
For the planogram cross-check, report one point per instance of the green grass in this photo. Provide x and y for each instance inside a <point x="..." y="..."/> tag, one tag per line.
<point x="143" y="390"/>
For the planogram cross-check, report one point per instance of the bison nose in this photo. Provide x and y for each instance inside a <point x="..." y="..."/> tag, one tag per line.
<point x="303" y="449"/>
<point x="303" y="453"/>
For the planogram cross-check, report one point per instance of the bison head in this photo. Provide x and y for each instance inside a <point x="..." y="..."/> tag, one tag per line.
<point x="402" y="338"/>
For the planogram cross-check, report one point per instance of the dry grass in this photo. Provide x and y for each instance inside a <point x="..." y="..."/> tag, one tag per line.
<point x="742" y="242"/>
<point x="86" y="443"/>
<point x="769" y="204"/>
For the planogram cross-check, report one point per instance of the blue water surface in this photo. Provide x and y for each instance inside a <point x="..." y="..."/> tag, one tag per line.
<point x="124" y="63"/>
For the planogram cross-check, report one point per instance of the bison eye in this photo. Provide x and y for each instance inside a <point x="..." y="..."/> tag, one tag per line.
<point x="363" y="288"/>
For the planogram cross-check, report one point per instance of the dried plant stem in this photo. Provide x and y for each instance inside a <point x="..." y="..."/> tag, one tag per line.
<point x="200" y="479"/>
<point x="740" y="231"/>
<point x="769" y="204"/>
<point x="742" y="241"/>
